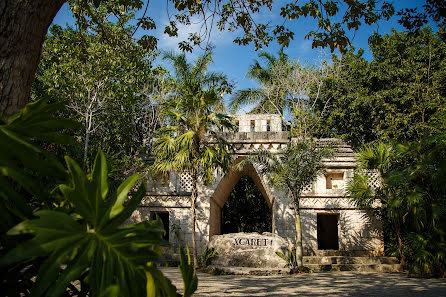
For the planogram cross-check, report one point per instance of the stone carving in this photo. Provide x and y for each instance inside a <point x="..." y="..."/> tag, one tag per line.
<point x="328" y="203"/>
<point x="249" y="250"/>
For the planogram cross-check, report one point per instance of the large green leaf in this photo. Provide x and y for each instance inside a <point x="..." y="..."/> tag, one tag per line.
<point x="107" y="256"/>
<point x="22" y="159"/>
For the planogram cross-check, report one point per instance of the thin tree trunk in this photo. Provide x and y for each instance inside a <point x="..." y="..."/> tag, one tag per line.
<point x="193" y="201"/>
<point x="88" y="119"/>
<point x="299" y="248"/>
<point x="23" y="26"/>
<point x="87" y="137"/>
<point x="400" y="241"/>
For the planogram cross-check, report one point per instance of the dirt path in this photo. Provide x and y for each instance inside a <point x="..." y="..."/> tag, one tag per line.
<point x="314" y="284"/>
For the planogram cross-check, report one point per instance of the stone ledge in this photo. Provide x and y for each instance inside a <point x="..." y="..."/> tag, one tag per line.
<point x="329" y="260"/>
<point x="249" y="270"/>
<point x="355" y="267"/>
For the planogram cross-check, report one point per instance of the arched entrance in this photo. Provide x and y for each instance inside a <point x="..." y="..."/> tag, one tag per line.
<point x="245" y="209"/>
<point x="225" y="187"/>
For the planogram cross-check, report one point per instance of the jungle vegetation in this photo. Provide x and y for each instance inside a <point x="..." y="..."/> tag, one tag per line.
<point x="63" y="181"/>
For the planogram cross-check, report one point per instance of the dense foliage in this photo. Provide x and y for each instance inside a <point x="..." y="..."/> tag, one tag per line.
<point x="78" y="244"/>
<point x="105" y="88"/>
<point x="412" y="195"/>
<point x="246" y="210"/>
<point x="393" y="106"/>
<point x="395" y="96"/>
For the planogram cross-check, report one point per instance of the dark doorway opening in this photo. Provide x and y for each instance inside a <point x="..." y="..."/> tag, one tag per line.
<point x="327" y="232"/>
<point x="164" y="216"/>
<point x="246" y="210"/>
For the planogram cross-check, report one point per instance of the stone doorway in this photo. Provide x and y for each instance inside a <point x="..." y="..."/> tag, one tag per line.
<point x="246" y="210"/>
<point x="164" y="217"/>
<point x="327" y="231"/>
<point x="223" y="190"/>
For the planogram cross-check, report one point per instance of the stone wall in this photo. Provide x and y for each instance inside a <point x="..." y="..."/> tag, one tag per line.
<point x="359" y="232"/>
<point x="259" y="122"/>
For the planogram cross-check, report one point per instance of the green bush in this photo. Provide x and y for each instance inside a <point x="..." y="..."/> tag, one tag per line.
<point x="79" y="239"/>
<point x="208" y="254"/>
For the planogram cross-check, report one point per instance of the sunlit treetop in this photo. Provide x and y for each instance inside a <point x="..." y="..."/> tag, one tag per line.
<point x="334" y="19"/>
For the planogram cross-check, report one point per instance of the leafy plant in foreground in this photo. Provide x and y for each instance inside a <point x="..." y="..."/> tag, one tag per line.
<point x="91" y="243"/>
<point x="28" y="172"/>
<point x="81" y="242"/>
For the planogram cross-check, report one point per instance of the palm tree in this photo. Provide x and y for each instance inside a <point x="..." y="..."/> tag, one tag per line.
<point x="192" y="141"/>
<point x="290" y="170"/>
<point x="265" y="77"/>
<point x="379" y="157"/>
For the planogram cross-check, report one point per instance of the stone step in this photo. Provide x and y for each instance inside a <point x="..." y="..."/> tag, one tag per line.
<point x="326" y="260"/>
<point x="386" y="268"/>
<point x="355" y="267"/>
<point x="216" y="269"/>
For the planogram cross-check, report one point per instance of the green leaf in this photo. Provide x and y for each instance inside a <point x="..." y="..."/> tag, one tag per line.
<point x="73" y="269"/>
<point x="110" y="291"/>
<point x="128" y="210"/>
<point x="49" y="271"/>
<point x="79" y="193"/>
<point x="190" y="280"/>
<point x="157" y="284"/>
<point x="122" y="193"/>
<point x="99" y="178"/>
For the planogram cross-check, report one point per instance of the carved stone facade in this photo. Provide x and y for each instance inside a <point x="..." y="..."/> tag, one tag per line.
<point x="330" y="222"/>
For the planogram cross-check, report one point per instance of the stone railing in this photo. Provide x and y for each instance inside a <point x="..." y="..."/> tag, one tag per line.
<point x="247" y="142"/>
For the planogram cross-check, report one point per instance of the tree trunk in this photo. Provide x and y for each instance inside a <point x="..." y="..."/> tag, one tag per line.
<point x="23" y="26"/>
<point x="400" y="241"/>
<point x="193" y="201"/>
<point x="299" y="248"/>
<point x="88" y="119"/>
<point x="87" y="138"/>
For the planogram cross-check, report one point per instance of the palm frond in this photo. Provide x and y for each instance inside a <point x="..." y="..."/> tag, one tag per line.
<point x="376" y="156"/>
<point x="258" y="73"/>
<point x="182" y="68"/>
<point x="201" y="65"/>
<point x="213" y="78"/>
<point x="244" y="97"/>
<point x="185" y="141"/>
<point x="269" y="57"/>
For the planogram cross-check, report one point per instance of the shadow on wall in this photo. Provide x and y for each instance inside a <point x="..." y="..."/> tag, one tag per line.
<point x="365" y="239"/>
<point x="359" y="231"/>
<point x="180" y="229"/>
<point x="309" y="236"/>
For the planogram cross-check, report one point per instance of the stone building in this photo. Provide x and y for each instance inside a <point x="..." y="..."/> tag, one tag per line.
<point x="331" y="225"/>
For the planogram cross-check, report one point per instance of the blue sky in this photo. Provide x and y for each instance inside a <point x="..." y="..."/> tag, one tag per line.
<point x="234" y="60"/>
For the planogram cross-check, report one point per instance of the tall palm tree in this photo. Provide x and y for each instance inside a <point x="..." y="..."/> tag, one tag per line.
<point x="290" y="170"/>
<point x="265" y="103"/>
<point x="192" y="141"/>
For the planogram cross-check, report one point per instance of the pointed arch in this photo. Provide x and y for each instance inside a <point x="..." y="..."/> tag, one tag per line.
<point x="224" y="188"/>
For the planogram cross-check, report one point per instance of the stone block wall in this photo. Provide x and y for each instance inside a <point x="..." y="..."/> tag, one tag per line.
<point x="359" y="232"/>
<point x="260" y="122"/>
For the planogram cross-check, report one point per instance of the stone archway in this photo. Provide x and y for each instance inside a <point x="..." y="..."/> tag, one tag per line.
<point x="225" y="187"/>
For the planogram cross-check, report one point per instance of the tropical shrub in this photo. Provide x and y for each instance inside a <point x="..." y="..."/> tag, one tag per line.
<point x="412" y="197"/>
<point x="73" y="240"/>
<point x="208" y="255"/>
